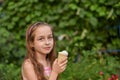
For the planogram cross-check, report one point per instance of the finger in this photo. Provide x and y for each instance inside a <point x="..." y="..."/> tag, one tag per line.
<point x="63" y="68"/>
<point x="56" y="60"/>
<point x="64" y="63"/>
<point x="64" y="59"/>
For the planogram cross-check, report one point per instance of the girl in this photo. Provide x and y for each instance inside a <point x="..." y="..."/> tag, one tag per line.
<point x="40" y="62"/>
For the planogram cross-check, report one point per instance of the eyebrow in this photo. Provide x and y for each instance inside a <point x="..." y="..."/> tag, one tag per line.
<point x="48" y="35"/>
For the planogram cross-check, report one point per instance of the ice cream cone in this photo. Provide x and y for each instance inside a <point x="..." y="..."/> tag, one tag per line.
<point x="62" y="55"/>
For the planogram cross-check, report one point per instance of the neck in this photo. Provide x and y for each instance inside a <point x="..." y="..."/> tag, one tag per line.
<point x="41" y="58"/>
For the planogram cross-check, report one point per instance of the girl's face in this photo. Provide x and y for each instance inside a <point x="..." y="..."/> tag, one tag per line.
<point x="43" y="40"/>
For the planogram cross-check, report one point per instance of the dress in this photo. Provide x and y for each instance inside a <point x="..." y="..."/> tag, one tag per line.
<point x="47" y="71"/>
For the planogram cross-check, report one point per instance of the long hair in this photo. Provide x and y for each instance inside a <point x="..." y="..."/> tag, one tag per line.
<point x="38" y="68"/>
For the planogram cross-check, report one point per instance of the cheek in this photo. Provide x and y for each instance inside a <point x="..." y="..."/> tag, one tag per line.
<point x="38" y="44"/>
<point x="52" y="43"/>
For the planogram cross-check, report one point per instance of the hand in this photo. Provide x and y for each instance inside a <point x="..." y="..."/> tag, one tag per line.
<point x="59" y="68"/>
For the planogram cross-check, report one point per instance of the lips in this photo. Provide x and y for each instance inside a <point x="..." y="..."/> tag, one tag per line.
<point x="47" y="48"/>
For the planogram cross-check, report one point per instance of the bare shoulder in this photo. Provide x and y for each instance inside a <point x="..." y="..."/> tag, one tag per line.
<point x="27" y="64"/>
<point x="28" y="70"/>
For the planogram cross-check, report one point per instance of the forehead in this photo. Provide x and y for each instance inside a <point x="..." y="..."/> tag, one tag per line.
<point x="43" y="30"/>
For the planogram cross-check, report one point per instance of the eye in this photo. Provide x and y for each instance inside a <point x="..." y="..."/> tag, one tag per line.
<point x="50" y="37"/>
<point x="40" y="39"/>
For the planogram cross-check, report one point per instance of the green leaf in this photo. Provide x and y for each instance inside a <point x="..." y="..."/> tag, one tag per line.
<point x="73" y="6"/>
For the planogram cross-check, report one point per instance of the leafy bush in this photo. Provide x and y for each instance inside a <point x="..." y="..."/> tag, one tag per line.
<point x="90" y="66"/>
<point x="9" y="72"/>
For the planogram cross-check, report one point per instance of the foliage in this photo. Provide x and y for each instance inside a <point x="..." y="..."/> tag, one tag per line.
<point x="79" y="26"/>
<point x="89" y="67"/>
<point x="9" y="72"/>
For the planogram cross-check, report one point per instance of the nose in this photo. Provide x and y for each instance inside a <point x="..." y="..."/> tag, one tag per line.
<point x="47" y="42"/>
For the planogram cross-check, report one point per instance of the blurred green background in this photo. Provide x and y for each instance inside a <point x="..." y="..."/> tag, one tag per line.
<point x="88" y="29"/>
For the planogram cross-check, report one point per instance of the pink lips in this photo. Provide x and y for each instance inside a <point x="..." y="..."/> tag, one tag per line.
<point x="47" y="48"/>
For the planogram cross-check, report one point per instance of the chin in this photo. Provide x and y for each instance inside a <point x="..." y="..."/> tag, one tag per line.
<point x="47" y="52"/>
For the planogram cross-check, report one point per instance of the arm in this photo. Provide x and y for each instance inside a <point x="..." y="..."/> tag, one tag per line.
<point x="28" y="71"/>
<point x="57" y="69"/>
<point x="53" y="76"/>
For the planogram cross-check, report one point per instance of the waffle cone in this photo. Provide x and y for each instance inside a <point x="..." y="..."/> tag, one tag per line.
<point x="61" y="57"/>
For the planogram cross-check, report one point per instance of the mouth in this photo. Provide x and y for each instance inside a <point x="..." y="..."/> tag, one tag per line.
<point x="47" y="48"/>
